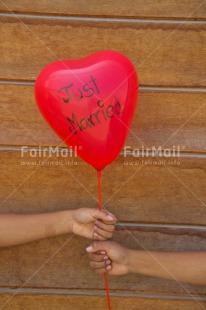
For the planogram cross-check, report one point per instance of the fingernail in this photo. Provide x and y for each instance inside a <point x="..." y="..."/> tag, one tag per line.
<point x="95" y="227"/>
<point x="96" y="222"/>
<point x="110" y="217"/>
<point x="103" y="252"/>
<point x="108" y="262"/>
<point x="109" y="267"/>
<point x="95" y="234"/>
<point x="105" y="257"/>
<point x="89" y="248"/>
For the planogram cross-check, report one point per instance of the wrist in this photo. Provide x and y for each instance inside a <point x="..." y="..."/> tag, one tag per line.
<point x="136" y="261"/>
<point x="130" y="260"/>
<point x="65" y="221"/>
<point x="139" y="262"/>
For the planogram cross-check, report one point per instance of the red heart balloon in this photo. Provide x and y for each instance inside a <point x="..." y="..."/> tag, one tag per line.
<point x="90" y="103"/>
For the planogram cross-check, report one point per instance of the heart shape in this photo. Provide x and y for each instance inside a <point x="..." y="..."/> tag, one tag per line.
<point x="90" y="103"/>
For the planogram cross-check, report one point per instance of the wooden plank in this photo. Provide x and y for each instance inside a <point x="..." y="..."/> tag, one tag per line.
<point x="162" y="118"/>
<point x="62" y="262"/>
<point x="73" y="302"/>
<point x="192" y="9"/>
<point x="161" y="53"/>
<point x="157" y="191"/>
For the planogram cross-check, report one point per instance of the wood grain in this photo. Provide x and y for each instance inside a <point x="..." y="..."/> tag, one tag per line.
<point x="62" y="262"/>
<point x="72" y="302"/>
<point x="161" y="53"/>
<point x="192" y="9"/>
<point x="155" y="191"/>
<point x="162" y="118"/>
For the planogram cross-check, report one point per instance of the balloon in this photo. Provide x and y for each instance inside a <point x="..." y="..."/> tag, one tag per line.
<point x="90" y="103"/>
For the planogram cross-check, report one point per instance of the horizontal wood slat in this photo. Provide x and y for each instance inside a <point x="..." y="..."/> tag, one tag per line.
<point x="163" y="54"/>
<point x="65" y="302"/>
<point x="162" y="118"/>
<point x="62" y="262"/>
<point x="158" y="192"/>
<point x="132" y="8"/>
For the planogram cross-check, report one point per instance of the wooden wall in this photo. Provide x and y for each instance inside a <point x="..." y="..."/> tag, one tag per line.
<point x="162" y="206"/>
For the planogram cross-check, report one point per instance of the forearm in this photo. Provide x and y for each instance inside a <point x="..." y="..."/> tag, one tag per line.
<point x="184" y="267"/>
<point x="22" y="228"/>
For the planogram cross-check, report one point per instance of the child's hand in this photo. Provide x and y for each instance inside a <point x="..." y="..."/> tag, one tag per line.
<point x="109" y="256"/>
<point x="93" y="224"/>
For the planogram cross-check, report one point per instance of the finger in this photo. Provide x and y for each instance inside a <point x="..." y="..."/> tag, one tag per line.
<point x="103" y="270"/>
<point x="99" y="265"/>
<point x="98" y="246"/>
<point x="109" y="215"/>
<point x="100" y="252"/>
<point x="97" y="257"/>
<point x="103" y="233"/>
<point x="104" y="216"/>
<point x="98" y="237"/>
<point x="106" y="227"/>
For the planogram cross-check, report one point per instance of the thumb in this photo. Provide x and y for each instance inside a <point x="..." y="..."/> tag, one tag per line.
<point x="98" y="246"/>
<point x="105" y="216"/>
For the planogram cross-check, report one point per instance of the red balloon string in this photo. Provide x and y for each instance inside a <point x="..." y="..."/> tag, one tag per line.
<point x="100" y="208"/>
<point x="99" y="191"/>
